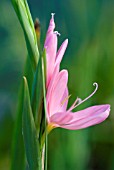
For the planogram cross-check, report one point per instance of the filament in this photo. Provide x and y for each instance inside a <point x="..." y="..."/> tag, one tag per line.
<point x="78" y="100"/>
<point x="82" y="101"/>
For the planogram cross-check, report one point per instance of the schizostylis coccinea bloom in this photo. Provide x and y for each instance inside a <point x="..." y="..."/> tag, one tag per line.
<point x="57" y="91"/>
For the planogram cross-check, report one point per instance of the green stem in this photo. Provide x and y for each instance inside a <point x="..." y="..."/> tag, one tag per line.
<point x="47" y="131"/>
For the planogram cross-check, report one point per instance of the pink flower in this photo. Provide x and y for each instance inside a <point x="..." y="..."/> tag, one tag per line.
<point x="52" y="56"/>
<point x="57" y="101"/>
<point x="57" y="92"/>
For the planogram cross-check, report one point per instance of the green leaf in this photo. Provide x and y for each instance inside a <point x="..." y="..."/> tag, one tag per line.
<point x="29" y="132"/>
<point x="44" y="64"/>
<point x="37" y="96"/>
<point x="37" y="90"/>
<point x="24" y="16"/>
<point x="18" y="151"/>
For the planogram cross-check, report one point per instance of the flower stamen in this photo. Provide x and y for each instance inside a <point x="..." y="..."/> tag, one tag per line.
<point x="78" y="100"/>
<point x="65" y="99"/>
<point x="57" y="33"/>
<point x="52" y="14"/>
<point x="82" y="101"/>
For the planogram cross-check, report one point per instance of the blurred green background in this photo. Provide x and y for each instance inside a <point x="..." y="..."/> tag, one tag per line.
<point x="89" y="58"/>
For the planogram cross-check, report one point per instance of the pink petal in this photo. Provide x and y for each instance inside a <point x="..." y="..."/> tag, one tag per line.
<point x="56" y="92"/>
<point x="60" y="118"/>
<point x="51" y="49"/>
<point x="61" y="52"/>
<point x="50" y="28"/>
<point x="87" y="117"/>
<point x="51" y="84"/>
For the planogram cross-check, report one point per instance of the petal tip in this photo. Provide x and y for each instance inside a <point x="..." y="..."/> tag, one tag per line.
<point x="52" y="23"/>
<point x="66" y="40"/>
<point x="65" y="43"/>
<point x="106" y="112"/>
<point x="107" y="107"/>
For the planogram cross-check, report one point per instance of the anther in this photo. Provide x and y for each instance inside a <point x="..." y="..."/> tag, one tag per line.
<point x="52" y="14"/>
<point x="65" y="99"/>
<point x="79" y="100"/>
<point x="57" y="33"/>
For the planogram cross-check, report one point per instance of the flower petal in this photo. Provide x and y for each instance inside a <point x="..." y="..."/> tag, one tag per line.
<point x="87" y="117"/>
<point x="51" y="84"/>
<point x="51" y="49"/>
<point x="60" y="118"/>
<point x="50" y="28"/>
<point x="56" y="92"/>
<point x="61" y="52"/>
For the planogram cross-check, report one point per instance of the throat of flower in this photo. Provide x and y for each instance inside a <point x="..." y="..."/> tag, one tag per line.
<point x="50" y="127"/>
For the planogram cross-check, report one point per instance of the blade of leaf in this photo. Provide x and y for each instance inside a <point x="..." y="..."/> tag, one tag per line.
<point x="37" y="96"/>
<point x="18" y="150"/>
<point x="24" y="16"/>
<point x="29" y="132"/>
